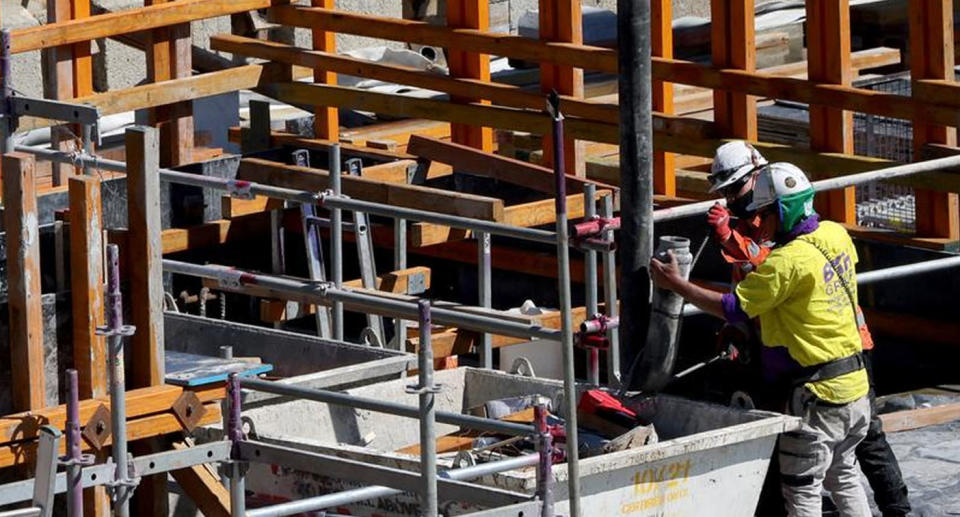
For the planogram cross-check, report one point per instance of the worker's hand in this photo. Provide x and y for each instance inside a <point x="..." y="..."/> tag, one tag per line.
<point x="666" y="275"/>
<point x="718" y="218"/>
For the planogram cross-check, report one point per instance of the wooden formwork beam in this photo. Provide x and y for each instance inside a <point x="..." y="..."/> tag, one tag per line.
<point x="23" y="282"/>
<point x="732" y="46"/>
<point x="561" y="20"/>
<point x="326" y="122"/>
<point x="203" y="487"/>
<point x="169" y="56"/>
<point x="831" y="129"/>
<point x="469" y="14"/>
<point x="145" y="256"/>
<point x="931" y="57"/>
<point x="661" y="45"/>
<point x="86" y="285"/>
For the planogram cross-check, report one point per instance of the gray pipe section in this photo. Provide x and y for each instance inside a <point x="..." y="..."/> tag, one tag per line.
<point x="118" y="396"/>
<point x="374" y="303"/>
<point x="336" y="240"/>
<point x="362" y="494"/>
<point x="382" y="406"/>
<point x="428" y="414"/>
<point x="890" y="273"/>
<point x="655" y="369"/>
<point x="850" y="180"/>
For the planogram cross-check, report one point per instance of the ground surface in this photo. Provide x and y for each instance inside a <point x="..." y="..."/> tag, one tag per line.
<point x="930" y="461"/>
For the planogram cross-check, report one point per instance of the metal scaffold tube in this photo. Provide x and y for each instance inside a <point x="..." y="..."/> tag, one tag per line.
<point x="374" y="303"/>
<point x="428" y="415"/>
<point x="336" y="240"/>
<point x="382" y="406"/>
<point x="371" y="492"/>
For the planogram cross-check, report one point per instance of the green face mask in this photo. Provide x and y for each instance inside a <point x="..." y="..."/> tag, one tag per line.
<point x="795" y="208"/>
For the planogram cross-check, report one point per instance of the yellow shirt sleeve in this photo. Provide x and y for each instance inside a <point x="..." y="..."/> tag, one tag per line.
<point x="766" y="287"/>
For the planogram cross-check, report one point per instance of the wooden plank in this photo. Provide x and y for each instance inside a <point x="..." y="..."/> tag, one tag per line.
<point x="232" y="207"/>
<point x="409" y="196"/>
<point x="920" y="417"/>
<point x="24" y="453"/>
<point x="86" y="285"/>
<point x="561" y="20"/>
<point x="732" y="46"/>
<point x="169" y="57"/>
<point x="23" y="282"/>
<point x="326" y="122"/>
<point x="831" y="130"/>
<point x="279" y="139"/>
<point x="203" y="487"/>
<point x="471" y="161"/>
<point x="126" y="21"/>
<point x="140" y="402"/>
<point x="661" y="43"/>
<point x="144" y="257"/>
<point x="931" y="57"/>
<point x="499" y="93"/>
<point x="58" y="84"/>
<point x="475" y="15"/>
<point x="527" y="215"/>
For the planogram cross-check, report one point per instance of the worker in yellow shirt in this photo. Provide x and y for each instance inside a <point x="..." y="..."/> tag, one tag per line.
<point x="805" y="295"/>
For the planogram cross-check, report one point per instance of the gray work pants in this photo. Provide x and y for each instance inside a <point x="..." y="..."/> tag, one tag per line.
<point x="822" y="455"/>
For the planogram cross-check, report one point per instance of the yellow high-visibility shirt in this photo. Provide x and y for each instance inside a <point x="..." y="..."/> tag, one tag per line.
<point x="803" y="306"/>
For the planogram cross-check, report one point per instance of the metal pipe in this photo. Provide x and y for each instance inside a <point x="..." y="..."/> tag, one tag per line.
<point x="87" y="142"/>
<point x="336" y="239"/>
<point x="362" y="494"/>
<point x="115" y="331"/>
<point x="399" y="262"/>
<point x="590" y="281"/>
<point x="428" y="434"/>
<point x="384" y="406"/>
<point x="879" y="275"/>
<point x="545" y="464"/>
<point x="372" y="302"/>
<point x="485" y="290"/>
<point x="238" y="500"/>
<point x="612" y="305"/>
<point x="566" y="316"/>
<point x="636" y="172"/>
<point x="74" y="454"/>
<point x="8" y="120"/>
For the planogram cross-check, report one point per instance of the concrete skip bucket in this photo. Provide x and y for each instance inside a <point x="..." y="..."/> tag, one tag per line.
<point x="710" y="459"/>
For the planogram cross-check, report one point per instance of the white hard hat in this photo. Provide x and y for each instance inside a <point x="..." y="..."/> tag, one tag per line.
<point x="778" y="181"/>
<point x="733" y="161"/>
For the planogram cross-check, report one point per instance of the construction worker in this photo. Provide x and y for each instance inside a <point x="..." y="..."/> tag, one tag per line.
<point x="804" y="295"/>
<point x="745" y="246"/>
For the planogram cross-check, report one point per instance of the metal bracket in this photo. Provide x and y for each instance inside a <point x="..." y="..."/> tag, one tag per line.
<point x="97" y="428"/>
<point x="54" y="110"/>
<point x="417" y="283"/>
<point x="414" y="389"/>
<point x="123" y="330"/>
<point x="188" y="410"/>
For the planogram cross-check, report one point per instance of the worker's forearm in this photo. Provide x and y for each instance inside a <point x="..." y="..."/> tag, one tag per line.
<point x="706" y="300"/>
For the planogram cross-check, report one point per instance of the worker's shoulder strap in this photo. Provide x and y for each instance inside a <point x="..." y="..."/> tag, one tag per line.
<point x="830" y="369"/>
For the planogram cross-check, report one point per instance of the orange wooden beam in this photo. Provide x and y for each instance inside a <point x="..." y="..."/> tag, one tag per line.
<point x="469" y="14"/>
<point x="732" y="40"/>
<point x="931" y="57"/>
<point x="326" y="122"/>
<point x="169" y="57"/>
<point x="661" y="41"/>
<point x="831" y="129"/>
<point x="561" y="21"/>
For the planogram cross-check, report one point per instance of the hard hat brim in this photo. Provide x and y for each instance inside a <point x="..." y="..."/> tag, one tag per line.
<point x="733" y="177"/>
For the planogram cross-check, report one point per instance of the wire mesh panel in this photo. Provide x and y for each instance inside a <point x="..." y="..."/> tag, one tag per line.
<point x="882" y="205"/>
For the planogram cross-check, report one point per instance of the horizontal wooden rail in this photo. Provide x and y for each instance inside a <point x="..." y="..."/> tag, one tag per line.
<point x="127" y="21"/>
<point x="596" y="58"/>
<point x="498" y="93"/>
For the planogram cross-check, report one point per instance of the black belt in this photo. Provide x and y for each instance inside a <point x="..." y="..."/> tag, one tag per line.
<point x="830" y="369"/>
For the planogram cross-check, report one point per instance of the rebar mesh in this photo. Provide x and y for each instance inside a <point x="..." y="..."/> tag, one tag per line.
<point x="882" y="205"/>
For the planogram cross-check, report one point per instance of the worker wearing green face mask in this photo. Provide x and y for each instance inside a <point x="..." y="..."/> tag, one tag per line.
<point x="804" y="295"/>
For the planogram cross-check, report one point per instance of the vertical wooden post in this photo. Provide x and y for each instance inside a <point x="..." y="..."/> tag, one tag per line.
<point x="732" y="46"/>
<point x="326" y="122"/>
<point x="145" y="256"/>
<point x="58" y="84"/>
<point x="469" y="14"/>
<point x="931" y="57"/>
<point x="23" y="282"/>
<point x="145" y="259"/>
<point x="661" y="45"/>
<point x="86" y="285"/>
<point x="82" y="60"/>
<point x="86" y="291"/>
<point x="168" y="54"/>
<point x="562" y="21"/>
<point x="831" y="129"/>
